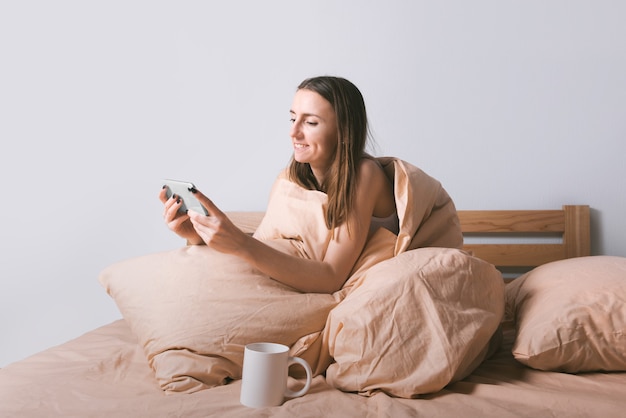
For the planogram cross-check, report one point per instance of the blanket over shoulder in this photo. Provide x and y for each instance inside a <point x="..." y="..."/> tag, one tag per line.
<point x="426" y="212"/>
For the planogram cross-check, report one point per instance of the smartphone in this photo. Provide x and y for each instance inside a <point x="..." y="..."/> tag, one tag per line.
<point x="183" y="189"/>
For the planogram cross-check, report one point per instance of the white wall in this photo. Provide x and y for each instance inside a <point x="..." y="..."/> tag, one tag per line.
<point x="511" y="104"/>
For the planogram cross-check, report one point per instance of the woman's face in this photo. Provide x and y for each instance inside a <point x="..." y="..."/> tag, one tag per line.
<point x="313" y="131"/>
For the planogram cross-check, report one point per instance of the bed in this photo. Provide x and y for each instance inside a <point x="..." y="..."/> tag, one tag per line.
<point x="561" y="293"/>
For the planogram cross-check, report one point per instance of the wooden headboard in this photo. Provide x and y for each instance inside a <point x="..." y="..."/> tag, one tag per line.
<point x="569" y="227"/>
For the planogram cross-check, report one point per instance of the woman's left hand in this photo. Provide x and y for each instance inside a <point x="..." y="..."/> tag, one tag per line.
<point x="216" y="230"/>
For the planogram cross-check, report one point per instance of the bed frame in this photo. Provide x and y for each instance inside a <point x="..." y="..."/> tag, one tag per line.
<point x="547" y="235"/>
<point x="570" y="226"/>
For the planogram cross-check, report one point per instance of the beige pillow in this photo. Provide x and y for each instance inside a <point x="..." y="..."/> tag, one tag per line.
<point x="193" y="311"/>
<point x="415" y="323"/>
<point x="571" y="315"/>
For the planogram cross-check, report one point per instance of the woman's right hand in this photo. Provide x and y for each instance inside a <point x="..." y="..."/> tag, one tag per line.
<point x="177" y="222"/>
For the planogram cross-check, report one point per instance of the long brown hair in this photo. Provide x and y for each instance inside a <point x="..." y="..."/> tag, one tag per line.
<point x="352" y="129"/>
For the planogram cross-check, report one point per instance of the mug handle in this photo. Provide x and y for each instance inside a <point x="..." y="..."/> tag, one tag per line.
<point x="309" y="374"/>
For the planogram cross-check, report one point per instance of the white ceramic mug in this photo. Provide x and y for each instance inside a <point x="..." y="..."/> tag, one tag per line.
<point x="264" y="376"/>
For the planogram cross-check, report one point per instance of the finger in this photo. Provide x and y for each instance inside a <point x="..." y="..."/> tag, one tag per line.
<point x="163" y="194"/>
<point x="208" y="204"/>
<point x="201" y="224"/>
<point x="172" y="207"/>
<point x="201" y="218"/>
<point x="177" y="222"/>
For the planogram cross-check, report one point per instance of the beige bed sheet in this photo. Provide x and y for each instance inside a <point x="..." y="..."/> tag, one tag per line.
<point x="104" y="374"/>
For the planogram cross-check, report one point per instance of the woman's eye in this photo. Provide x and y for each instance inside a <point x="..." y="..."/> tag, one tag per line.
<point x="292" y="120"/>
<point x="311" y="123"/>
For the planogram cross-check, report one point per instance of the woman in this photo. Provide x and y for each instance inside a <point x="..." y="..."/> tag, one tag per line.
<point x="329" y="134"/>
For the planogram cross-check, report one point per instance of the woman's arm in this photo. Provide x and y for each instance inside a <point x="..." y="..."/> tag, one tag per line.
<point x="312" y="276"/>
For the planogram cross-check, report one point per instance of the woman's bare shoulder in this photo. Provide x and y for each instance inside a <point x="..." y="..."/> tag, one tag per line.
<point x="377" y="186"/>
<point x="371" y="171"/>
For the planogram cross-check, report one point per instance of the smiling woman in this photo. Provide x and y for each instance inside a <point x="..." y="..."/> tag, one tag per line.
<point x="329" y="134"/>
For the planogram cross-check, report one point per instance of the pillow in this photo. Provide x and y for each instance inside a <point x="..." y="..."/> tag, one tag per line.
<point x="194" y="309"/>
<point x="414" y="323"/>
<point x="571" y="315"/>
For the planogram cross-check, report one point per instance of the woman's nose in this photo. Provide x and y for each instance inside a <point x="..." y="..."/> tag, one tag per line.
<point x="295" y="131"/>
